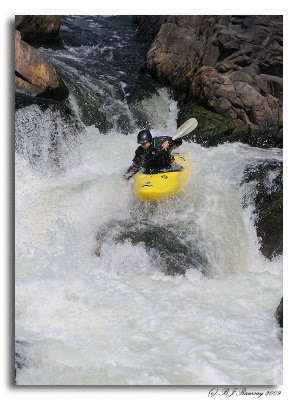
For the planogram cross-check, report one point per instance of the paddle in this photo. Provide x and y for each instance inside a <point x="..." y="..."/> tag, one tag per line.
<point x="183" y="130"/>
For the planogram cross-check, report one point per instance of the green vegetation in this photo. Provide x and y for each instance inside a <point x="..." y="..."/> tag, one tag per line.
<point x="212" y="128"/>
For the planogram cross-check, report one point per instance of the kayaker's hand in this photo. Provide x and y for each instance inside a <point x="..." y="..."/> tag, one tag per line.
<point x="165" y="145"/>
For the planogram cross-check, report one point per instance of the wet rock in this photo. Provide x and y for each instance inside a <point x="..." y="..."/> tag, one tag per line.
<point x="279" y="313"/>
<point x="148" y="25"/>
<point x="235" y="96"/>
<point x="266" y="179"/>
<point x="212" y="128"/>
<point x="231" y="65"/>
<point x="269" y="228"/>
<point x="36" y="29"/>
<point x="34" y="75"/>
<point x="175" y="254"/>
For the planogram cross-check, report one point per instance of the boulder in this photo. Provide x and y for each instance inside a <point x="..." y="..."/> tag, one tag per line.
<point x="148" y="25"/>
<point x="231" y="65"/>
<point x="212" y="128"/>
<point x="38" y="28"/>
<point x="279" y="313"/>
<point x="266" y="176"/>
<point x="235" y="95"/>
<point x="34" y="75"/>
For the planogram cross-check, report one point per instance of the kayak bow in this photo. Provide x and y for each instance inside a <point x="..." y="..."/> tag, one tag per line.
<point x="157" y="185"/>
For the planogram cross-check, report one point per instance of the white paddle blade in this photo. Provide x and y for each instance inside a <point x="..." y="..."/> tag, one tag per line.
<point x="186" y="128"/>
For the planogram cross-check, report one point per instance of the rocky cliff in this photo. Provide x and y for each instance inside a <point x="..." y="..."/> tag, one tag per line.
<point x="34" y="75"/>
<point x="38" y="28"/>
<point x="230" y="65"/>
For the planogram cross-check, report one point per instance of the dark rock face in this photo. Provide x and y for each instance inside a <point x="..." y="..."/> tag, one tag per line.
<point x="148" y="25"/>
<point x="231" y="65"/>
<point x="279" y="313"/>
<point x="267" y="180"/>
<point x="38" y="28"/>
<point x="34" y="75"/>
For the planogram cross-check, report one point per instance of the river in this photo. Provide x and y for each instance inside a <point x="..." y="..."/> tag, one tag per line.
<point x="110" y="291"/>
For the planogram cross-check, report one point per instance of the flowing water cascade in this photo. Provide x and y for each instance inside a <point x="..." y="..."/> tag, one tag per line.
<point x="111" y="291"/>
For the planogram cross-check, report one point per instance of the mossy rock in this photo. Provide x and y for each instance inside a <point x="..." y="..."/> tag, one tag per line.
<point x="212" y="128"/>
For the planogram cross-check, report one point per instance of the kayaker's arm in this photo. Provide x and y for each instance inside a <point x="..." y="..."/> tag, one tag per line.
<point x="140" y="161"/>
<point x="135" y="166"/>
<point x="132" y="170"/>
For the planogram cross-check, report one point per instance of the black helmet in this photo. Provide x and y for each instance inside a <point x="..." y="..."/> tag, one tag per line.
<point x="144" y="136"/>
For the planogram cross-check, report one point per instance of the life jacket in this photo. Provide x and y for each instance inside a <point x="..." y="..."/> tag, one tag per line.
<point x="155" y="157"/>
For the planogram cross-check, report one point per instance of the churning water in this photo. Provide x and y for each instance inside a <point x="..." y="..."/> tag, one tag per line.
<point x="110" y="291"/>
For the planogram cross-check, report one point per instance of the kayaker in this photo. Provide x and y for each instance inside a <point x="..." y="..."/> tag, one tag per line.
<point x="152" y="153"/>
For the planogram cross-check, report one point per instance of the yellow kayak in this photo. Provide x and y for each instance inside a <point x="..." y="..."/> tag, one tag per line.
<point x="152" y="186"/>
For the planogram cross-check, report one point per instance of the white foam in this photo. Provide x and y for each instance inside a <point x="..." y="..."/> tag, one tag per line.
<point x="116" y="318"/>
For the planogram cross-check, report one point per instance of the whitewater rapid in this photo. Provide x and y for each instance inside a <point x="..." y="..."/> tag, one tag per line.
<point x="96" y="302"/>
